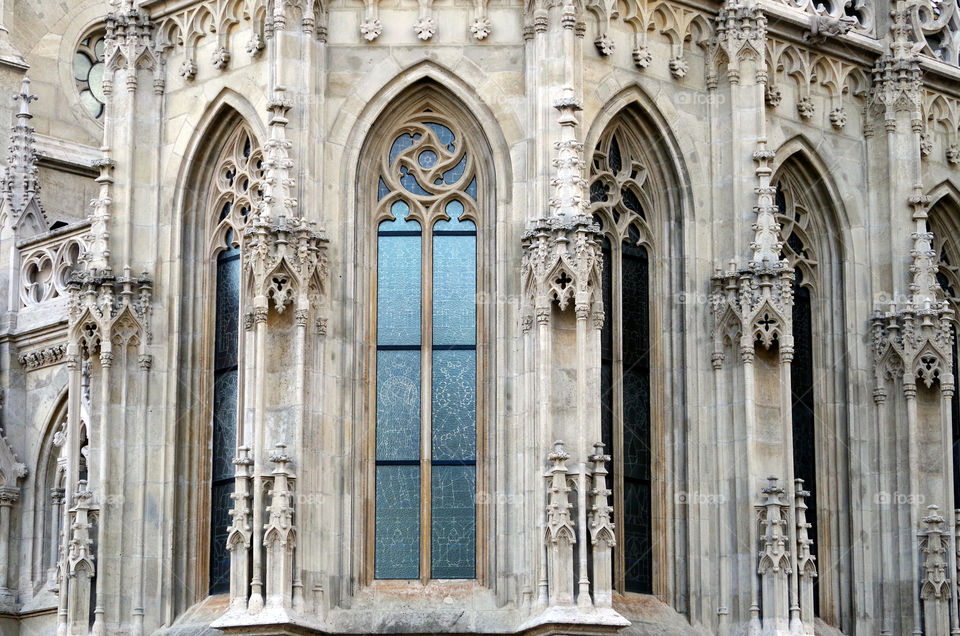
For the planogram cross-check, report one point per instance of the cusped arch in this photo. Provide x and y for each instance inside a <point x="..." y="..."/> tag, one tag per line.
<point x="499" y="126"/>
<point x="813" y="222"/>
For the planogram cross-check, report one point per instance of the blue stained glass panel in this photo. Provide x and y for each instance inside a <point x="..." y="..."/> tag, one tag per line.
<point x="398" y="405"/>
<point x="409" y="181"/>
<point x="455" y="173"/>
<point x="453" y="531"/>
<point x="398" y="282"/>
<point x="397" y="551"/>
<point x="444" y="134"/>
<point x="472" y="189"/>
<point x="454" y="405"/>
<point x="400" y="144"/>
<point x="454" y="280"/>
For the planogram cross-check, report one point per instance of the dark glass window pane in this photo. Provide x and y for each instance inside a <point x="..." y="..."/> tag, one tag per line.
<point x="397" y="552"/>
<point x="804" y="430"/>
<point x="224" y="424"/>
<point x="219" y="522"/>
<point x="225" y="393"/>
<point x="398" y="405"/>
<point x="454" y="405"/>
<point x="453" y="544"/>
<point x="635" y="321"/>
<point x="228" y="309"/>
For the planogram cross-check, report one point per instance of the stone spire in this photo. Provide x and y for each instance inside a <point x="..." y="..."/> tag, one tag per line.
<point x="20" y="189"/>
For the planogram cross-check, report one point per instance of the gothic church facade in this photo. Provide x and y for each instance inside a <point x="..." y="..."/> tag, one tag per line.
<point x="448" y="316"/>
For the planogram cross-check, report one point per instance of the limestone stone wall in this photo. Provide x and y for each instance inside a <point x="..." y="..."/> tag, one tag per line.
<point x="763" y="140"/>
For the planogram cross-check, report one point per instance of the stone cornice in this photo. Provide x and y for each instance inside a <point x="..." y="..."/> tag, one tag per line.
<point x="43" y="357"/>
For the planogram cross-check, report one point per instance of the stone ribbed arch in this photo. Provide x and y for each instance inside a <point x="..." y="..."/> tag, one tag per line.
<point x="202" y="236"/>
<point x="420" y="110"/>
<point x="636" y="195"/>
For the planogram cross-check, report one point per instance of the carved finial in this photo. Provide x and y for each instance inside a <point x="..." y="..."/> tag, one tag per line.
<point x="21" y="185"/>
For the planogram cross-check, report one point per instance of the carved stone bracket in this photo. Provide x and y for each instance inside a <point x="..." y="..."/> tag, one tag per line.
<point x="130" y="46"/>
<point x="102" y="306"/>
<point x="286" y="260"/>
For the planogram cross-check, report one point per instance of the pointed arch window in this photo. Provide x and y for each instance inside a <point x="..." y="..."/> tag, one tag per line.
<point x="948" y="275"/>
<point x="426" y="435"/>
<point x="794" y="219"/>
<point x="619" y="202"/>
<point x="235" y="191"/>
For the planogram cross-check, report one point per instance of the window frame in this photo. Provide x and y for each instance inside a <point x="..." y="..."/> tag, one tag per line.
<point x="371" y="212"/>
<point x="616" y="233"/>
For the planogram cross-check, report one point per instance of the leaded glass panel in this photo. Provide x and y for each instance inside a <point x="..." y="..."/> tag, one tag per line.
<point x="398" y="522"/>
<point x="431" y="177"/>
<point x="454" y="522"/>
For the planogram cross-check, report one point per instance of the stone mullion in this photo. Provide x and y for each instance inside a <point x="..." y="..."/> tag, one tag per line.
<point x="426" y="382"/>
<point x="616" y="321"/>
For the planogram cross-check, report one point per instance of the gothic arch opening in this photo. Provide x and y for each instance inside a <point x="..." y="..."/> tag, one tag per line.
<point x="426" y="218"/>
<point x="812" y="246"/>
<point x="222" y="189"/>
<point x="634" y="198"/>
<point x="944" y="222"/>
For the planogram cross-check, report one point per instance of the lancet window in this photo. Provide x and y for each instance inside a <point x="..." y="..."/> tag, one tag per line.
<point x="234" y="193"/>
<point x="426" y="406"/>
<point x="948" y="275"/>
<point x="794" y="219"/>
<point x="619" y="201"/>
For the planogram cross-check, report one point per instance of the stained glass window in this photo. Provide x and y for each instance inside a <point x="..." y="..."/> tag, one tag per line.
<point x="426" y="396"/>
<point x="234" y="192"/>
<point x="794" y="220"/>
<point x="224" y="413"/>
<point x="616" y="198"/>
<point x="88" y="73"/>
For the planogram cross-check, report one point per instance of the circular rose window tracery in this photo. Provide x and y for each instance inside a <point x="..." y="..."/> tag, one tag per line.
<point x="88" y="73"/>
